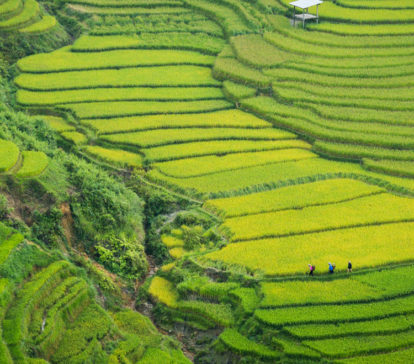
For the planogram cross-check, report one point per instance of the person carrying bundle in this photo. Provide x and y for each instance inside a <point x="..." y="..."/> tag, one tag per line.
<point x="331" y="267"/>
<point x="311" y="269"/>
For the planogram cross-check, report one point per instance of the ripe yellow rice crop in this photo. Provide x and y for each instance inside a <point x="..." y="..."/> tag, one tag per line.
<point x="375" y="209"/>
<point x="116" y="156"/>
<point x="223" y="118"/>
<point x="367" y="246"/>
<point x="191" y="167"/>
<point x="293" y="197"/>
<point x="163" y="291"/>
<point x="171" y="136"/>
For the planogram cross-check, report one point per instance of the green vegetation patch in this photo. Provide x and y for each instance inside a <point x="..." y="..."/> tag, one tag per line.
<point x="27" y="97"/>
<point x="125" y="77"/>
<point x="116" y="156"/>
<point x="9" y="155"/>
<point x="34" y="163"/>
<point x="172" y="136"/>
<point x="198" y="149"/>
<point x="127" y="108"/>
<point x="64" y="60"/>
<point x="242" y="345"/>
<point x="191" y="167"/>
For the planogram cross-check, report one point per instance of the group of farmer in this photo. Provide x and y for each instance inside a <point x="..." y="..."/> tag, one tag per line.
<point x="331" y="267"/>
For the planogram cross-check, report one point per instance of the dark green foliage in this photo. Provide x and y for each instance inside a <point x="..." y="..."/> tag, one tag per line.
<point x="4" y="209"/>
<point x="46" y="226"/>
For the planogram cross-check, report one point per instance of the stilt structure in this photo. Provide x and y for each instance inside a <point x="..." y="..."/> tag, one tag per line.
<point x="305" y="5"/>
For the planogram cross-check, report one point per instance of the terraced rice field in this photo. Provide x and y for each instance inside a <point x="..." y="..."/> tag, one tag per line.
<point x="240" y="110"/>
<point x="23" y="164"/>
<point x="24" y="16"/>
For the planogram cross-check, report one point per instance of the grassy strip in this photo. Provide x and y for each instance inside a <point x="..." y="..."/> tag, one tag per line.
<point x="357" y="345"/>
<point x="46" y="23"/>
<point x="153" y="138"/>
<point x="192" y="167"/>
<point x="286" y="74"/>
<point x="397" y="94"/>
<point x="299" y="47"/>
<point x="299" y="96"/>
<point x="366" y="246"/>
<point x="336" y="313"/>
<point x="9" y="155"/>
<point x="284" y="116"/>
<point x="381" y="71"/>
<point x="294" y="349"/>
<point x="34" y="163"/>
<point x="292" y="197"/>
<point x="362" y="29"/>
<point x="279" y="294"/>
<point x="43" y="98"/>
<point x="353" y="40"/>
<point x="126" y="77"/>
<point x="229" y="68"/>
<point x="29" y="12"/>
<point x="247" y="297"/>
<point x="375" y="4"/>
<point x="173" y="40"/>
<point x="364" y="115"/>
<point x="395" y="168"/>
<point x="75" y="137"/>
<point x="57" y="123"/>
<point x="160" y="23"/>
<point x="235" y="91"/>
<point x="116" y="156"/>
<point x="223" y="118"/>
<point x="198" y="149"/>
<point x="332" y="11"/>
<point x="242" y="345"/>
<point x="64" y="60"/>
<point x="221" y="314"/>
<point x="365" y="287"/>
<point x="128" y="10"/>
<point x="400" y="356"/>
<point x="128" y="3"/>
<point x="252" y="50"/>
<point x="381" y="326"/>
<point x="360" y="211"/>
<point x="96" y="110"/>
<point x="256" y="179"/>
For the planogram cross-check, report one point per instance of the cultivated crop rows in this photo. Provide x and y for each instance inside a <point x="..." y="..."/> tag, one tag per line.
<point x="25" y="16"/>
<point x="25" y="164"/>
<point x="213" y="108"/>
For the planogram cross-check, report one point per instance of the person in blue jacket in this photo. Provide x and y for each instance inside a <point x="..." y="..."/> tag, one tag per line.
<point x="331" y="267"/>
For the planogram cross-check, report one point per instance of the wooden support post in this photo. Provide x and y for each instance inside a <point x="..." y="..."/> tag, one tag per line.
<point x="294" y="16"/>
<point x="303" y="18"/>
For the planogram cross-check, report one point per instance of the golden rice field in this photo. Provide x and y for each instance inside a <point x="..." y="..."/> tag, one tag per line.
<point x="298" y="141"/>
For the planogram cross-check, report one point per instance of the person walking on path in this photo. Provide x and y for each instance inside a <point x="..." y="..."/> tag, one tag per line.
<point x="331" y="267"/>
<point x="311" y="269"/>
<point x="349" y="267"/>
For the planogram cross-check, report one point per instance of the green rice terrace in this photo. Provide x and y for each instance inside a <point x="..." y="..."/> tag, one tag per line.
<point x="178" y="178"/>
